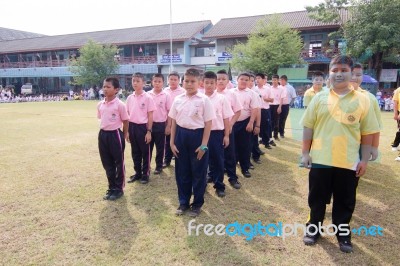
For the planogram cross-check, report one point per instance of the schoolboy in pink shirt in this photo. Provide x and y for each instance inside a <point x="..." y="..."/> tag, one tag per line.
<point x="265" y="126"/>
<point x="173" y="90"/>
<point x="192" y="114"/>
<point x="140" y="108"/>
<point x="219" y="137"/>
<point x="276" y="106"/>
<point x="163" y="104"/>
<point x="112" y="114"/>
<point x="236" y="106"/>
<point x="244" y="127"/>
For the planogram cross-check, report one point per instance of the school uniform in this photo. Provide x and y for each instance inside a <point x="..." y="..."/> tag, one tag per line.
<point x="223" y="111"/>
<point x="138" y="107"/>
<point x="229" y="152"/>
<point x="172" y="94"/>
<point x="285" y="109"/>
<point x="249" y="101"/>
<point x="162" y="102"/>
<point x="255" y="147"/>
<point x="309" y="94"/>
<point x="265" y="125"/>
<point x="337" y="121"/>
<point x="111" y="141"/>
<point x="277" y="95"/>
<point x="190" y="114"/>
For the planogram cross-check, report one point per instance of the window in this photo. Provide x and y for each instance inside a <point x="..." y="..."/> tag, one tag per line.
<point x="315" y="47"/>
<point x="174" y="51"/>
<point x="204" y="51"/>
<point x="145" y="49"/>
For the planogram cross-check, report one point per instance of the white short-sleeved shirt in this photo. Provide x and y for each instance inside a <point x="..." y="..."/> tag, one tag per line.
<point x="278" y="93"/>
<point x="138" y="107"/>
<point x="192" y="112"/>
<point x="249" y="100"/>
<point x="222" y="110"/>
<point x="111" y="114"/>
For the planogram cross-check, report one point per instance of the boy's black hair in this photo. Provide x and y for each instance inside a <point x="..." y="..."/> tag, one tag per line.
<point x="158" y="75"/>
<point x="210" y="75"/>
<point x="193" y="72"/>
<point x="275" y="76"/>
<point x="222" y="71"/>
<point x="138" y="75"/>
<point x="342" y="59"/>
<point x="114" y="81"/>
<point x="246" y="74"/>
<point x="357" y="65"/>
<point x="174" y="73"/>
<point x="318" y="74"/>
<point x="284" y="77"/>
<point x="261" y="75"/>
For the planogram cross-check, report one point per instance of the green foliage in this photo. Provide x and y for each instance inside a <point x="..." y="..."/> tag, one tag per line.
<point x="374" y="29"/>
<point x="270" y="45"/>
<point x="327" y="11"/>
<point x="95" y="63"/>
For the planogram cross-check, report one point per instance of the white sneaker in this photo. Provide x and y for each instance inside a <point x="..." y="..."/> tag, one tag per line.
<point x="395" y="148"/>
<point x="397" y="159"/>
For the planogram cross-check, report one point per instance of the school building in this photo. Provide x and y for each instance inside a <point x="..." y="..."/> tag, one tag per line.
<point x="43" y="60"/>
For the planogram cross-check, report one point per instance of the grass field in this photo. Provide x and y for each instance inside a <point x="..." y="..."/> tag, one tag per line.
<point x="52" y="212"/>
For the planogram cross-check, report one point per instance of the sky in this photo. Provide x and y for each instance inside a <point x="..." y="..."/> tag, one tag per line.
<point x="57" y="17"/>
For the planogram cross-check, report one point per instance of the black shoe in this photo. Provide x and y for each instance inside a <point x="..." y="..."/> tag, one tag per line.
<point x="277" y="138"/>
<point x="108" y="194"/>
<point x="260" y="152"/>
<point x="194" y="211"/>
<point x="209" y="179"/>
<point x="157" y="171"/>
<point x="345" y="246"/>
<point x="166" y="164"/>
<point x="257" y="161"/>
<point x="220" y="193"/>
<point x="246" y="173"/>
<point x="235" y="184"/>
<point x="267" y="146"/>
<point x="181" y="209"/>
<point x="116" y="195"/>
<point x="260" y="141"/>
<point x="282" y="136"/>
<point x="272" y="143"/>
<point x="310" y="240"/>
<point x="134" y="178"/>
<point x="144" y="179"/>
<point x="251" y="166"/>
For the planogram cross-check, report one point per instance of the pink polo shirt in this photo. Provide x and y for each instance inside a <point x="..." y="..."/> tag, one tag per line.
<point x="249" y="100"/>
<point x="265" y="92"/>
<point x="192" y="112"/>
<point x="174" y="93"/>
<point x="277" y="95"/>
<point x="222" y="110"/>
<point x="233" y="99"/>
<point x="162" y="102"/>
<point x="285" y="94"/>
<point x="111" y="114"/>
<point x="138" y="107"/>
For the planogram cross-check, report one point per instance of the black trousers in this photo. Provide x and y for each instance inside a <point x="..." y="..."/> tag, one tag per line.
<point x="168" y="152"/>
<point x="282" y="119"/>
<point x="111" y="149"/>
<point x="140" y="150"/>
<point x="242" y="144"/>
<point x="265" y="126"/>
<point x="230" y="158"/>
<point x="325" y="182"/>
<point x="216" y="158"/>
<point x="274" y="119"/>
<point x="158" y="139"/>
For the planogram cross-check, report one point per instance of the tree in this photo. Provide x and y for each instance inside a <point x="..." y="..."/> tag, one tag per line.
<point x="95" y="63"/>
<point x="271" y="44"/>
<point x="371" y="33"/>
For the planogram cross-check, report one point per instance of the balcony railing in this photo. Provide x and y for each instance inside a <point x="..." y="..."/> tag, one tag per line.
<point x="320" y="52"/>
<point x="151" y="59"/>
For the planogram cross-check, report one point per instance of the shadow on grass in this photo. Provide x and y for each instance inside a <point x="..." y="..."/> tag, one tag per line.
<point x="118" y="227"/>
